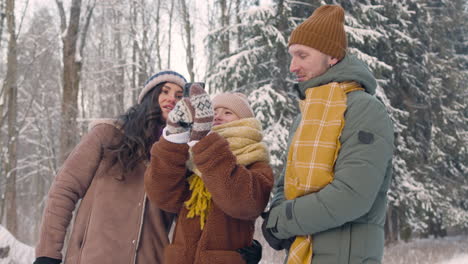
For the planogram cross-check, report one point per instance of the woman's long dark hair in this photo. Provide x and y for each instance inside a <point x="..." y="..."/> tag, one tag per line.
<point x="141" y="126"/>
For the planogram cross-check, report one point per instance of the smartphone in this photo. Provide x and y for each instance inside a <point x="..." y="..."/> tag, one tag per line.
<point x="187" y="87"/>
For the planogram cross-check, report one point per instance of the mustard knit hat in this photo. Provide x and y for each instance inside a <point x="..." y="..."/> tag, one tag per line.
<point x="236" y="102"/>
<point x="323" y="31"/>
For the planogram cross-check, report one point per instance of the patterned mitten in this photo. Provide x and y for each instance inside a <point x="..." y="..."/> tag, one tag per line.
<point x="204" y="113"/>
<point x="180" y="119"/>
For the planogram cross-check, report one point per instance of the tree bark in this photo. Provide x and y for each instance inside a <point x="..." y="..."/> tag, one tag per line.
<point x="72" y="63"/>
<point x="121" y="67"/>
<point x="2" y="18"/>
<point x="225" y="47"/>
<point x="71" y="68"/>
<point x="2" y="91"/>
<point x="158" y="35"/>
<point x="171" y="14"/>
<point x="188" y="28"/>
<point x="238" y="22"/>
<point x="11" y="85"/>
<point x="139" y="52"/>
<point x="134" y="53"/>
<point x="279" y="81"/>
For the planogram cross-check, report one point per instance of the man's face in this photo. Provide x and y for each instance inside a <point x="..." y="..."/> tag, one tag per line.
<point x="308" y="63"/>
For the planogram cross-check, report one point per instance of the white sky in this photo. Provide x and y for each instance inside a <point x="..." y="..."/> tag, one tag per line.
<point x="178" y="62"/>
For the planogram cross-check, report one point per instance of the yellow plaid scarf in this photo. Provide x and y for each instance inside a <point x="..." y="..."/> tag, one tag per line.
<point x="245" y="141"/>
<point x="314" y="149"/>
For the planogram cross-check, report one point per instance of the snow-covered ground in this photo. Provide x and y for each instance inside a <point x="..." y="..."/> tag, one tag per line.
<point x="460" y="259"/>
<point x="450" y="250"/>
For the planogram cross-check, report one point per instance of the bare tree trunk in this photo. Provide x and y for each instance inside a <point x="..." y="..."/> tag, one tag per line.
<point x="39" y="187"/>
<point x="139" y="69"/>
<point x="71" y="67"/>
<point x="3" y="164"/>
<point x="225" y="48"/>
<point x="158" y="33"/>
<point x="121" y="68"/>
<point x="2" y="19"/>
<point x="389" y="232"/>
<point x="188" y="27"/>
<point x="392" y="225"/>
<point x="134" y="53"/>
<point x="171" y="14"/>
<point x="2" y="91"/>
<point x="72" y="63"/>
<point x="82" y="43"/>
<point x="3" y="101"/>
<point x="238" y="22"/>
<point x="279" y="82"/>
<point x="11" y="85"/>
<point x="143" y="50"/>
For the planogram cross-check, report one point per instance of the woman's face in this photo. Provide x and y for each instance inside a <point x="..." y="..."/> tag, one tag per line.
<point x="170" y="94"/>
<point x="223" y="116"/>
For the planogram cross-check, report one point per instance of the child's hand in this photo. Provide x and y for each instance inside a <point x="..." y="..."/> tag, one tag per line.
<point x="204" y="113"/>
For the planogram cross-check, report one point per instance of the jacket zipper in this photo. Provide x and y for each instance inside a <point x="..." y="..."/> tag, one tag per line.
<point x="137" y="242"/>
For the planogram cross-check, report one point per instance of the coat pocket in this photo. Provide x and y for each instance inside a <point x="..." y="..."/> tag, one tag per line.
<point x="221" y="257"/>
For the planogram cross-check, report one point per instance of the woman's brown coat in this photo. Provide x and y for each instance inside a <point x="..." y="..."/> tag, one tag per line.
<point x="114" y="223"/>
<point x="239" y="195"/>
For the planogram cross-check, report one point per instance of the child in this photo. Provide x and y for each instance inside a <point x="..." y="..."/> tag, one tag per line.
<point x="220" y="188"/>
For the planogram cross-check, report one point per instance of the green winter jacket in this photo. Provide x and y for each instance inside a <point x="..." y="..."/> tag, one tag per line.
<point x="346" y="218"/>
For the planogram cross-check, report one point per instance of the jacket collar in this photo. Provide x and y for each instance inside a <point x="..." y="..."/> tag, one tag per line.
<point x="348" y="69"/>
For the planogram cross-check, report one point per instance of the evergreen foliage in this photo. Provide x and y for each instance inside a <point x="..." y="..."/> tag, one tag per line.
<point x="258" y="69"/>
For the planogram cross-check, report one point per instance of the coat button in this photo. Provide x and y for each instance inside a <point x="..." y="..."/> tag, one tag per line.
<point x="133" y="242"/>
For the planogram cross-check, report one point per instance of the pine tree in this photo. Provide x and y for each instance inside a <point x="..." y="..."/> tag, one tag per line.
<point x="393" y="38"/>
<point x="258" y="67"/>
<point x="448" y="64"/>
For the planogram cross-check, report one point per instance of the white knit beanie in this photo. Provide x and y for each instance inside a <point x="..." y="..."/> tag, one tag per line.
<point x="236" y="102"/>
<point x="160" y="77"/>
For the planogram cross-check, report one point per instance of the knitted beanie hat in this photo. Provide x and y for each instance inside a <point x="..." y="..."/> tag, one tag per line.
<point x="160" y="77"/>
<point x="236" y="102"/>
<point x="323" y="31"/>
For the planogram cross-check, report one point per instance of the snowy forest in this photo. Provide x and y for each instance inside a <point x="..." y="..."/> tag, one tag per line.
<point x="66" y="63"/>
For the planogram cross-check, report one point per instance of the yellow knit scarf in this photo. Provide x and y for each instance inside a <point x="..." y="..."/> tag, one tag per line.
<point x="314" y="149"/>
<point x="245" y="141"/>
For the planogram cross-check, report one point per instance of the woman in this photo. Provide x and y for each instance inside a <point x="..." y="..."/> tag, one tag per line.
<point x="105" y="171"/>
<point x="228" y="184"/>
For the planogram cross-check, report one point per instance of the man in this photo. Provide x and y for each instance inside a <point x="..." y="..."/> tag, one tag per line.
<point x="329" y="204"/>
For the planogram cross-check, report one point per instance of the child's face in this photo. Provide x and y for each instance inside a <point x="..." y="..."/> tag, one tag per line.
<point x="223" y="116"/>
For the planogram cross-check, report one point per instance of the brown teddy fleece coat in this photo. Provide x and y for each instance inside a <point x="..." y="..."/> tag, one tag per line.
<point x="114" y="223"/>
<point x="239" y="195"/>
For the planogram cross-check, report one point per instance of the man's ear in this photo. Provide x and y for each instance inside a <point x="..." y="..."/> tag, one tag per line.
<point x="332" y="61"/>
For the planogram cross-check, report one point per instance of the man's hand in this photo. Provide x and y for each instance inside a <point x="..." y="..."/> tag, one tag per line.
<point x="274" y="242"/>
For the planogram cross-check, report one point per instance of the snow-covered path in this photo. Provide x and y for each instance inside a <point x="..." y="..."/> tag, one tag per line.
<point x="448" y="250"/>
<point x="459" y="259"/>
